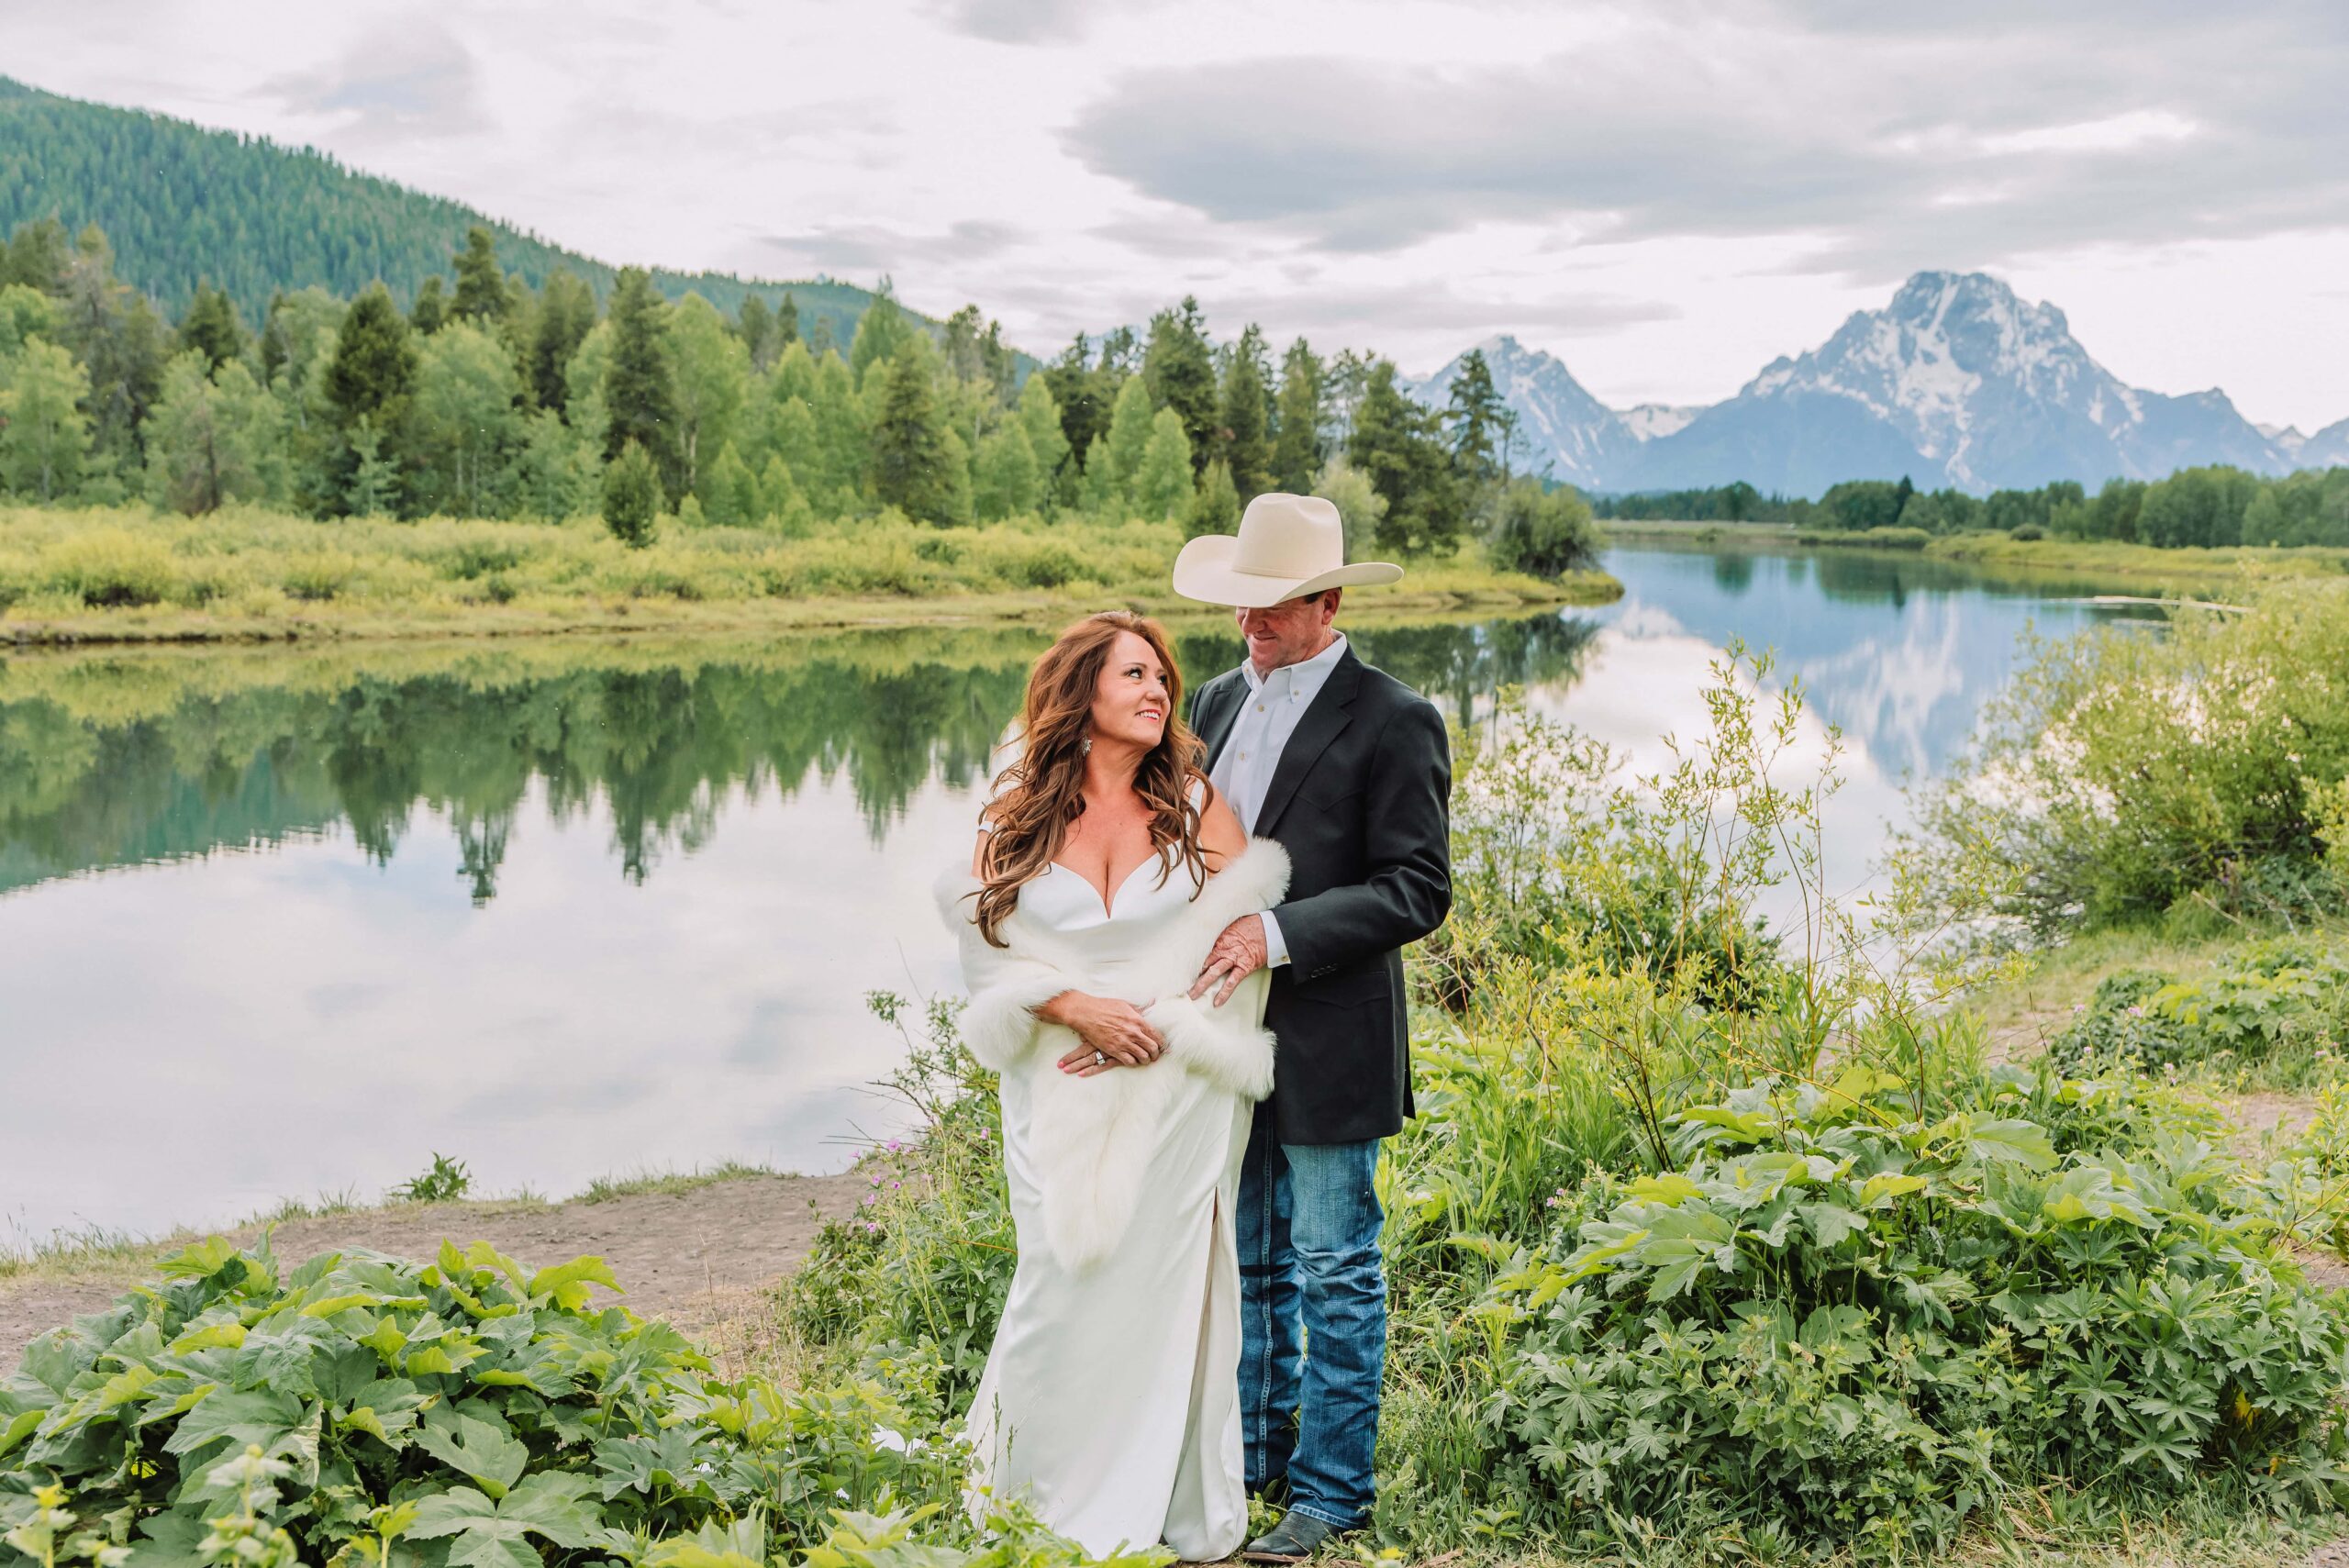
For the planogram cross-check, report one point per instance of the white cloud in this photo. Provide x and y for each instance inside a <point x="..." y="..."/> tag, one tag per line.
<point x="1667" y="195"/>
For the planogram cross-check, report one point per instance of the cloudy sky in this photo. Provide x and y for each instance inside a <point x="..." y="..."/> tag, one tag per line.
<point x="1665" y="193"/>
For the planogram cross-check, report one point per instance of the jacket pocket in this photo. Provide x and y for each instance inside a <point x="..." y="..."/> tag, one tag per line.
<point x="1351" y="985"/>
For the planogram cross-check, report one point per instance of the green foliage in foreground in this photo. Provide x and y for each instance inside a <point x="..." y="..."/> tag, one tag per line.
<point x="2277" y="1014"/>
<point x="2124" y="777"/>
<point x="1704" y="1249"/>
<point x="360" y="1409"/>
<point x="1833" y="1318"/>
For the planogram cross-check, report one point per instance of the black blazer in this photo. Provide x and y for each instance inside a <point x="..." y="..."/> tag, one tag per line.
<point x="1361" y="800"/>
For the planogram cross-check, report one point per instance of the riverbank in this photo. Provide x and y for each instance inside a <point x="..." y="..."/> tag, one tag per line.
<point x="2137" y="565"/>
<point x="701" y="1251"/>
<point x="124" y="575"/>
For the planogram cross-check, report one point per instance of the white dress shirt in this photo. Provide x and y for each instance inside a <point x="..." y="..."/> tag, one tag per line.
<point x="1243" y="774"/>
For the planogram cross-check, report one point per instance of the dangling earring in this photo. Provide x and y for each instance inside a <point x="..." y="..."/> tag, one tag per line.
<point x="1085" y="747"/>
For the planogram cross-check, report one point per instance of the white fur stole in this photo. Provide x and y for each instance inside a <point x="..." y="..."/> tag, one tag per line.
<point x="1093" y="1135"/>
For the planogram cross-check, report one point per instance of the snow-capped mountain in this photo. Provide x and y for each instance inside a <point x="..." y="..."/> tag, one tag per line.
<point x="1956" y="381"/>
<point x="1650" y="422"/>
<point x="1559" y="422"/>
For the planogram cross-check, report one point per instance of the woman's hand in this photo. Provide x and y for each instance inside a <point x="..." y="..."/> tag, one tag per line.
<point x="1114" y="1030"/>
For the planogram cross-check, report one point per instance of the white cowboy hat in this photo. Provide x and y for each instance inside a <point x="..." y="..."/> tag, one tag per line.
<point x="1288" y="546"/>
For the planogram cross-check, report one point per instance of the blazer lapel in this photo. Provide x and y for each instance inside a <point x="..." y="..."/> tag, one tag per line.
<point x="1325" y="718"/>
<point x="1216" y="712"/>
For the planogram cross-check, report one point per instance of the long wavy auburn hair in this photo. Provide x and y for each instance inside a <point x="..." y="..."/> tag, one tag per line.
<point x="1042" y="792"/>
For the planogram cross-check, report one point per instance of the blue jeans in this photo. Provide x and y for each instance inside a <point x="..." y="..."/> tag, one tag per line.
<point x="1307" y="1229"/>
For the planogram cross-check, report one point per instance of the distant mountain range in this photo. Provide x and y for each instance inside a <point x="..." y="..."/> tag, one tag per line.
<point x="181" y="205"/>
<point x="1956" y="383"/>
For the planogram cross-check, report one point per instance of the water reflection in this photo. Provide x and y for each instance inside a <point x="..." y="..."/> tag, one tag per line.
<point x="88" y="781"/>
<point x="566" y="909"/>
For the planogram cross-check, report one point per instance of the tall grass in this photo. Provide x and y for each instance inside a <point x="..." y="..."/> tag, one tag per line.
<point x="123" y="572"/>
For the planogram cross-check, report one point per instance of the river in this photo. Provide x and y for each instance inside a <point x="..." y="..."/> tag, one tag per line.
<point x="286" y="923"/>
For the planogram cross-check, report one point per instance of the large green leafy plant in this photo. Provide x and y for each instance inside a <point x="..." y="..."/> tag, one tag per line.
<point x="469" y="1411"/>
<point x="1836" y="1322"/>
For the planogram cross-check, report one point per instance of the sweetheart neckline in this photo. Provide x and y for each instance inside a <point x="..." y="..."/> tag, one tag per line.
<point x="1108" y="903"/>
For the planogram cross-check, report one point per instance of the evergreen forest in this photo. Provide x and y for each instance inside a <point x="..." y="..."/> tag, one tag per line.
<point x="487" y="395"/>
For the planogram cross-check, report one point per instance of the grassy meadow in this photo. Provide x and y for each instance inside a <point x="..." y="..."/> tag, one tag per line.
<point x="107" y="574"/>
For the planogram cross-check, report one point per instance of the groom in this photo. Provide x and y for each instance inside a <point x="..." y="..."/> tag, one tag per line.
<point x="1349" y="770"/>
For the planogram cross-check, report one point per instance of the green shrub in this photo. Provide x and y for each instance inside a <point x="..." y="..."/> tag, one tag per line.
<point x="631" y="496"/>
<point x="111" y="567"/>
<point x="443" y="1180"/>
<point x="1542" y="531"/>
<point x="468" y="1410"/>
<point x="2276" y="1009"/>
<point x="1846" y="1324"/>
<point x="2123" y="776"/>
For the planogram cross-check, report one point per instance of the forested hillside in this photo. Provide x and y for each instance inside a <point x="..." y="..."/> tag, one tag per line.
<point x="486" y="397"/>
<point x="185" y="206"/>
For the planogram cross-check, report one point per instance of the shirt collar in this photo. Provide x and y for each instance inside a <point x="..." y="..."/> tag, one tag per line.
<point x="1306" y="676"/>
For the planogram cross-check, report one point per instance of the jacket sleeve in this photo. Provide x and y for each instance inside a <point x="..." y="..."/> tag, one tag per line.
<point x="1406" y="889"/>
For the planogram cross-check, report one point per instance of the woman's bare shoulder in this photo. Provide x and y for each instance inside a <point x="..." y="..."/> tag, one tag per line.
<point x="1220" y="835"/>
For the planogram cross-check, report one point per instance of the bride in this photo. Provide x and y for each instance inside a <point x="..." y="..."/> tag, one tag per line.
<point x="1106" y="866"/>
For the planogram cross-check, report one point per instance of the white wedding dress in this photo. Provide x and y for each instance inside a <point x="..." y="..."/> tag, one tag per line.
<point x="1111" y="1399"/>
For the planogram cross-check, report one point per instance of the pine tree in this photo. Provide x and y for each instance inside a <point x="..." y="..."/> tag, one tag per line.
<point x="841" y="442"/>
<point x="37" y="256"/>
<point x="632" y="496"/>
<point x="1083" y="393"/>
<point x="640" y="389"/>
<point x="211" y="326"/>
<point x="1005" y="478"/>
<point x="373" y="374"/>
<point x="1398" y="447"/>
<point x="787" y="323"/>
<point x="566" y="313"/>
<point x="1180" y="370"/>
<point x="1246" y="432"/>
<point x="121" y="342"/>
<point x="1100" y="492"/>
<point x="781" y="504"/>
<point x="880" y="333"/>
<point x="1040" y="418"/>
<point x="481" y="283"/>
<point x="1162" y="486"/>
<point x="910" y="453"/>
<point x="1130" y="431"/>
<point x="1297" y="446"/>
<point x="554" y="470"/>
<point x="754" y="324"/>
<point x="1476" y="418"/>
<point x="1216" y="509"/>
<point x="374" y="487"/>
<point x="430" y="311"/>
<point x="44" y="435"/>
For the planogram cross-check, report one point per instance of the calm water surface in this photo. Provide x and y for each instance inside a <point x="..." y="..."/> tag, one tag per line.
<point x="286" y="923"/>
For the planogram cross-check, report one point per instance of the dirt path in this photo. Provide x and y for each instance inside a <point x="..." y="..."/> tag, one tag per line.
<point x="701" y="1258"/>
